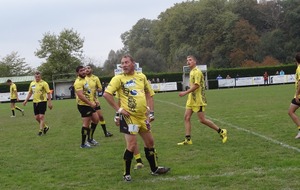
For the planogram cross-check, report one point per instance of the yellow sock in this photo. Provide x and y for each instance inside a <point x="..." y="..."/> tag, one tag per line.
<point x="102" y="122"/>
<point x="137" y="156"/>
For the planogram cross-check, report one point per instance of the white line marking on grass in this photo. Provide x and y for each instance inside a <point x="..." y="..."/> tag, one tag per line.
<point x="184" y="178"/>
<point x="241" y="129"/>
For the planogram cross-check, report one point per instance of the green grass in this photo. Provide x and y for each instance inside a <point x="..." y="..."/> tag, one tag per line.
<point x="261" y="152"/>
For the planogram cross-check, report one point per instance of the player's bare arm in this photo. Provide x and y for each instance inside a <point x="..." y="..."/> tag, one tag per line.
<point x="110" y="99"/>
<point x="192" y="89"/>
<point x="50" y="106"/>
<point x="27" y="98"/>
<point x="84" y="99"/>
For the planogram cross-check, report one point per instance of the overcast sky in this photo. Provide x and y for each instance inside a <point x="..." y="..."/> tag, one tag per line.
<point x="100" y="22"/>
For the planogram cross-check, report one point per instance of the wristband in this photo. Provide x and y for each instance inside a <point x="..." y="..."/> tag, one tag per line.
<point x="117" y="116"/>
<point x="120" y="110"/>
<point x="151" y="115"/>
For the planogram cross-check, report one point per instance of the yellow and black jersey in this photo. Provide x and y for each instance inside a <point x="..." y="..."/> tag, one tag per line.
<point x="39" y="91"/>
<point x="297" y="78"/>
<point x="197" y="98"/>
<point x="13" y="90"/>
<point x="94" y="84"/>
<point x="131" y="92"/>
<point x="82" y="84"/>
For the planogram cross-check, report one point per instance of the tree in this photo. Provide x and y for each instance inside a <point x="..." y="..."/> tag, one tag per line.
<point x="245" y="41"/>
<point x="14" y="65"/>
<point x="110" y="64"/>
<point x="63" y="53"/>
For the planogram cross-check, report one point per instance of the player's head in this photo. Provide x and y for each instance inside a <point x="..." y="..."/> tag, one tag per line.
<point x="297" y="57"/>
<point x="80" y="70"/>
<point x="88" y="70"/>
<point x="37" y="76"/>
<point x="128" y="64"/>
<point x="191" y="61"/>
<point x="8" y="81"/>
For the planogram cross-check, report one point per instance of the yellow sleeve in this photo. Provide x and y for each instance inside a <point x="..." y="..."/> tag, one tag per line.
<point x="98" y="83"/>
<point x="30" y="87"/>
<point x="77" y="85"/>
<point x="46" y="87"/>
<point x="113" y="85"/>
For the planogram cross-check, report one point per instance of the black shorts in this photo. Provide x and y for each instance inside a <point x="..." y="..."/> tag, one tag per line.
<point x="39" y="108"/>
<point x="123" y="125"/>
<point x="85" y="111"/>
<point x="294" y="102"/>
<point x="13" y="100"/>
<point x="98" y="108"/>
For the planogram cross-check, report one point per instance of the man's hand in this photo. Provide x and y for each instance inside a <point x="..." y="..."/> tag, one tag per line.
<point x="50" y="106"/>
<point x="117" y="119"/>
<point x="181" y="94"/>
<point x="151" y="116"/>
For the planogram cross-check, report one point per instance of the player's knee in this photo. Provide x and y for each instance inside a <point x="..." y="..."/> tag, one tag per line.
<point x="132" y="146"/>
<point x="187" y="118"/>
<point x="203" y="120"/>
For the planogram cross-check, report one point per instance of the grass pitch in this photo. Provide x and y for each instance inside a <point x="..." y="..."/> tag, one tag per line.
<point x="261" y="152"/>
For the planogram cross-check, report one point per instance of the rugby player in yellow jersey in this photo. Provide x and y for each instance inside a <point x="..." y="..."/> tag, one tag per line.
<point x="295" y="101"/>
<point x="86" y="106"/>
<point x="134" y="93"/>
<point x="41" y="97"/>
<point x="136" y="152"/>
<point x="196" y="102"/>
<point x="13" y="98"/>
<point x="95" y="85"/>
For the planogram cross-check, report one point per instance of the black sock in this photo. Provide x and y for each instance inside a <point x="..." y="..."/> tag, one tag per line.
<point x="83" y="135"/>
<point x="93" y="129"/>
<point x="88" y="133"/>
<point x="104" y="128"/>
<point x="219" y="131"/>
<point x="151" y="157"/>
<point x="13" y="112"/>
<point x="139" y="160"/>
<point x="127" y="159"/>
<point x="17" y="108"/>
<point x="188" y="137"/>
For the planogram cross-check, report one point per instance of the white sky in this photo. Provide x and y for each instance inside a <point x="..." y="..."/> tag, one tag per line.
<point x="100" y="22"/>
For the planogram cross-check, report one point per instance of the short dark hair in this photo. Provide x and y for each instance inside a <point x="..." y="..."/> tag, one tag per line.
<point x="193" y="57"/>
<point x="37" y="72"/>
<point x="130" y="57"/>
<point x="297" y="57"/>
<point x="8" y="80"/>
<point x="78" y="68"/>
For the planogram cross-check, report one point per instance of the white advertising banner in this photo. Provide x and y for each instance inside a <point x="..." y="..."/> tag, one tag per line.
<point x="5" y="97"/>
<point x="277" y="79"/>
<point x="244" y="81"/>
<point x="258" y="80"/>
<point x="226" y="82"/>
<point x="290" y="78"/>
<point x="168" y="86"/>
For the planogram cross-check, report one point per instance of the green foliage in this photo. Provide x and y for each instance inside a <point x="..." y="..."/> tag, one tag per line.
<point x="63" y="53"/>
<point x="256" y="155"/>
<point x="14" y="65"/>
<point x="220" y="33"/>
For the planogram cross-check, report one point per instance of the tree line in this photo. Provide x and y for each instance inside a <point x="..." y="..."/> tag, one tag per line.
<point x="220" y="33"/>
